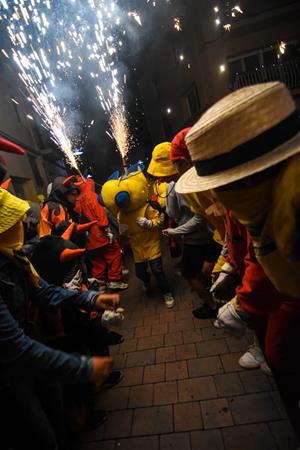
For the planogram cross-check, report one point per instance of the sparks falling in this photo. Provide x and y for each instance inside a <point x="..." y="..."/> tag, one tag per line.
<point x="120" y="132"/>
<point x="62" y="46"/>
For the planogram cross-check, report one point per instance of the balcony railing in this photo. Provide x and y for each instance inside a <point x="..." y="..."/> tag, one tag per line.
<point x="287" y="72"/>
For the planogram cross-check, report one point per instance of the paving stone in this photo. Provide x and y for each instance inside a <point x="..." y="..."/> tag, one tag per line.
<point x="187" y="416"/>
<point x="143" y="331"/>
<point x="141" y="443"/>
<point x="249" y="437"/>
<point x="229" y="384"/>
<point x="159" y="328"/>
<point x="212" y="348"/>
<point x="130" y="345"/>
<point x="103" y="445"/>
<point x="132" y="376"/>
<point x="165" y="393"/>
<point x="207" y="440"/>
<point x="167" y="317"/>
<point x="176" y="370"/>
<point x="255" y="381"/>
<point x="181" y="325"/>
<point x="202" y="323"/>
<point x="127" y="333"/>
<point x="185" y="314"/>
<point x="165" y="354"/>
<point x="284" y="435"/>
<point x="154" y="373"/>
<point x="230" y="362"/>
<point x="155" y="420"/>
<point x="114" y="350"/>
<point x="216" y="413"/>
<point x="196" y="389"/>
<point x="173" y="339"/>
<point x="141" y="396"/>
<point x="141" y="358"/>
<point x="111" y="399"/>
<point x="151" y="320"/>
<point x="238" y="345"/>
<point x="120" y="361"/>
<point x="253" y="408"/>
<point x="150" y="342"/>
<point x="205" y="366"/>
<point x="213" y="333"/>
<point x="179" y="441"/>
<point x="186" y="351"/>
<point x="192" y="336"/>
<point x="118" y="424"/>
<point x="276" y="397"/>
<point x="134" y="322"/>
<point x="185" y="304"/>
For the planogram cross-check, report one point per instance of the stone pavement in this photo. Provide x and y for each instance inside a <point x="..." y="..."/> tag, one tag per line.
<point x="183" y="388"/>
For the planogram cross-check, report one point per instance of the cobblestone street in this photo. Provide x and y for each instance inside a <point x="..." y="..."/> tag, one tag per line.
<point x="183" y="388"/>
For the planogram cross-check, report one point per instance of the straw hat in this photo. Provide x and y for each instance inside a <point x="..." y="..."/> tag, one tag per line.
<point x="12" y="209"/>
<point x="246" y="132"/>
<point x="160" y="164"/>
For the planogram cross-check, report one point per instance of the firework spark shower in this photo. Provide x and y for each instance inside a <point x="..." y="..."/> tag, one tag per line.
<point x="59" y="46"/>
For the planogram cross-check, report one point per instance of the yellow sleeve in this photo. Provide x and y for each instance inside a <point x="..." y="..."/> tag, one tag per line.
<point x="155" y="216"/>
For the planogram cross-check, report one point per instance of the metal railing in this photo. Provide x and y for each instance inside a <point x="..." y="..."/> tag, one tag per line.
<point x="287" y="72"/>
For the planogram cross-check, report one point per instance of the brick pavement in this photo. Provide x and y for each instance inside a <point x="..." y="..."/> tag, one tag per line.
<point x="183" y="388"/>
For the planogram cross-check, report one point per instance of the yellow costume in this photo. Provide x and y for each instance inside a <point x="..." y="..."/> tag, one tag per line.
<point x="270" y="210"/>
<point x="128" y="197"/>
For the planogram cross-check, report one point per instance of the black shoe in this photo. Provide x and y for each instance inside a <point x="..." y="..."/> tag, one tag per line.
<point x="205" y="312"/>
<point x="115" y="377"/>
<point x="96" y="418"/>
<point x="113" y="338"/>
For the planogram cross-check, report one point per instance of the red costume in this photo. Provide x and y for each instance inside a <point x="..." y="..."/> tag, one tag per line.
<point x="276" y="317"/>
<point x="104" y="254"/>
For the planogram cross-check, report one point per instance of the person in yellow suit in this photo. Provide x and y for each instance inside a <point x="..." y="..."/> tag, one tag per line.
<point x="128" y="196"/>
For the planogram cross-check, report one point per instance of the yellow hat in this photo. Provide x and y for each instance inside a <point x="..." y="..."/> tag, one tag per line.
<point x="160" y="164"/>
<point x="12" y="209"/>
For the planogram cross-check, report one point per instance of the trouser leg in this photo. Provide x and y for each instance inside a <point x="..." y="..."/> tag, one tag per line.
<point x="158" y="272"/>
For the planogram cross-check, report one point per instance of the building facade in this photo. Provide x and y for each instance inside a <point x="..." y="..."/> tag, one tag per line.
<point x="31" y="173"/>
<point x="183" y="73"/>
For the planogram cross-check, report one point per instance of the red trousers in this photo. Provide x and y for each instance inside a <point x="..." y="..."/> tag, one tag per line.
<point x="107" y="262"/>
<point x="277" y="326"/>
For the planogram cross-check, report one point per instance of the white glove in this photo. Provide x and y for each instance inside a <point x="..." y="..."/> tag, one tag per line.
<point x="109" y="235"/>
<point x="144" y="223"/>
<point x="113" y="318"/>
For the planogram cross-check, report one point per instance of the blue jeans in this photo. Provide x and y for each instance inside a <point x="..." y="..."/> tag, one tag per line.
<point x="141" y="271"/>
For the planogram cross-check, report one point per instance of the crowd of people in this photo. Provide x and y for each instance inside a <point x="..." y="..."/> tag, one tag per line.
<point x="225" y="193"/>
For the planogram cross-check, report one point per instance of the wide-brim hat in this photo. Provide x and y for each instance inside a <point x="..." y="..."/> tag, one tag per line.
<point x="12" y="209"/>
<point x="160" y="164"/>
<point x="246" y="132"/>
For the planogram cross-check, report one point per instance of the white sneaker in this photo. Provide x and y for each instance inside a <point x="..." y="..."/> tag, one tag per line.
<point x="229" y="319"/>
<point x="169" y="300"/>
<point x="253" y="358"/>
<point x="117" y="285"/>
<point x="113" y="318"/>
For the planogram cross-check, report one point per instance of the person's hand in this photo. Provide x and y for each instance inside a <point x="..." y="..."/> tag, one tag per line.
<point x="165" y="232"/>
<point x="101" y="368"/>
<point x="145" y="223"/>
<point x="108" y="301"/>
<point x="224" y="287"/>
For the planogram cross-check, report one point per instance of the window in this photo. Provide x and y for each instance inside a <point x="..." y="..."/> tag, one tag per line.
<point x="192" y="102"/>
<point x="36" y="171"/>
<point x="252" y="63"/>
<point x="270" y="58"/>
<point x="19" y="186"/>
